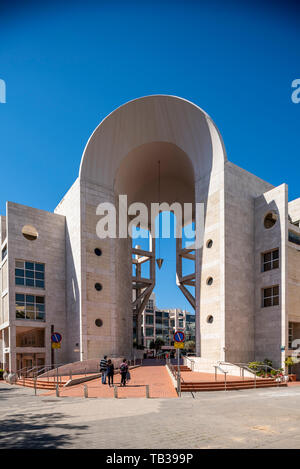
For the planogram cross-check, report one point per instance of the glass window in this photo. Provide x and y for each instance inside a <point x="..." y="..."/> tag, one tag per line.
<point x="149" y="331"/>
<point x="30" y="274"/>
<point x="149" y="319"/>
<point x="270" y="296"/>
<point x="30" y="307"/>
<point x="270" y="260"/>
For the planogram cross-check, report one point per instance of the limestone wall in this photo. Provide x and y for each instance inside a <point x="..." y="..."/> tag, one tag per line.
<point x="48" y="248"/>
<point x="271" y="322"/>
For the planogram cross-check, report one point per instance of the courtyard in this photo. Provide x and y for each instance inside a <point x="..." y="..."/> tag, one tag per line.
<point x="261" y="418"/>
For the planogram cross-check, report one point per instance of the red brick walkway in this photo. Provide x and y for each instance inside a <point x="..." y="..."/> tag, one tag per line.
<point x="160" y="385"/>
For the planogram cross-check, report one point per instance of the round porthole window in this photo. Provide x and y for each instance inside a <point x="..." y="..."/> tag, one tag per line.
<point x="209" y="281"/>
<point x="99" y="322"/>
<point x="98" y="286"/>
<point x="210" y="319"/>
<point x="270" y="220"/>
<point x="209" y="243"/>
<point x="29" y="232"/>
<point x="98" y="252"/>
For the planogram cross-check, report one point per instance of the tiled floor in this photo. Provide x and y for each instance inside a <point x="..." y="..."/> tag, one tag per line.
<point x="157" y="377"/>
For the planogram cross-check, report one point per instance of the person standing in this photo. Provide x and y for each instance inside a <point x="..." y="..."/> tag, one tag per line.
<point x="110" y="373"/>
<point x="123" y="371"/>
<point x="103" y="369"/>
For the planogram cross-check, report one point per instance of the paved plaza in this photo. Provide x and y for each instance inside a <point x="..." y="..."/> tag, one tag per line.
<point x="261" y="418"/>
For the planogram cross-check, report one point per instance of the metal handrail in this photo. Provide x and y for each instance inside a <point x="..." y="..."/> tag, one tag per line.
<point x="192" y="362"/>
<point x="217" y="367"/>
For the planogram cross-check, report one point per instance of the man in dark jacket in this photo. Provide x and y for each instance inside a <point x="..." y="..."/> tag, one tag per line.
<point x="103" y="369"/>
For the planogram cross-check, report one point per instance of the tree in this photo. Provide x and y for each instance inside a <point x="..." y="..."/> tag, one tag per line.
<point x="158" y="343"/>
<point x="190" y="346"/>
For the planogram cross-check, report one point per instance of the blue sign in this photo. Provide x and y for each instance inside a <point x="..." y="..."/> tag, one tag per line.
<point x="56" y="337"/>
<point x="179" y="336"/>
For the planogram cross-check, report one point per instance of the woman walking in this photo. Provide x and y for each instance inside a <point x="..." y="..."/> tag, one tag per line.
<point x="123" y="371"/>
<point x="110" y="372"/>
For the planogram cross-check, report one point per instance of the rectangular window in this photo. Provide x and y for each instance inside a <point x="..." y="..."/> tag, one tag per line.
<point x="149" y="331"/>
<point x="30" y="307"/>
<point x="149" y="319"/>
<point x="270" y="260"/>
<point x="270" y="296"/>
<point x="290" y="334"/>
<point x="30" y="274"/>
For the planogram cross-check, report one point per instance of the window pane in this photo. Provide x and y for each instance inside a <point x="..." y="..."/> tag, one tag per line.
<point x="40" y="283"/>
<point x="40" y="267"/>
<point x="267" y="256"/>
<point x="267" y="266"/>
<point x="20" y="264"/>
<point x="19" y="281"/>
<point x="40" y="316"/>
<point x="19" y="273"/>
<point x="20" y="313"/>
<point x="40" y="307"/>
<point x="40" y="299"/>
<point x="267" y="292"/>
<point x="29" y="298"/>
<point x="276" y="264"/>
<point x="276" y="254"/>
<point x="29" y="274"/>
<point x="39" y="275"/>
<point x="29" y="282"/>
<point x="276" y="300"/>
<point x="30" y="314"/>
<point x="268" y="302"/>
<point x="276" y="290"/>
<point x="19" y="297"/>
<point x="29" y="265"/>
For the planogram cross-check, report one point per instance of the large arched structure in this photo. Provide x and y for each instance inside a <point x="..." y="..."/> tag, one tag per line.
<point x="121" y="158"/>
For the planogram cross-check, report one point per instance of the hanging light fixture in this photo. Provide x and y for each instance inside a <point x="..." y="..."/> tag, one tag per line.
<point x="159" y="261"/>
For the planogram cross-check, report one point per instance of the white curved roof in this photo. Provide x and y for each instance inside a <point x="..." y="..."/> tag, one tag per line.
<point x="157" y="118"/>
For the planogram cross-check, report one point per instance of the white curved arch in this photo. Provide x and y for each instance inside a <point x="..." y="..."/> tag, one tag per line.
<point x="149" y="119"/>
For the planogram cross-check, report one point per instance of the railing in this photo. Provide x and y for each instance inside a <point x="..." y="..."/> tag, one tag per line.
<point x="191" y="361"/>
<point x="175" y="370"/>
<point x="217" y="367"/>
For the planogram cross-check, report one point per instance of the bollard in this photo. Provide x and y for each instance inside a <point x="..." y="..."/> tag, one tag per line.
<point x="35" y="386"/>
<point x="147" y="391"/>
<point x="85" y="391"/>
<point x="115" y="392"/>
<point x="57" y="390"/>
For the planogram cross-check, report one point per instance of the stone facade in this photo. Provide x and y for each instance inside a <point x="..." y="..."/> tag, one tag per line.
<point x="88" y="298"/>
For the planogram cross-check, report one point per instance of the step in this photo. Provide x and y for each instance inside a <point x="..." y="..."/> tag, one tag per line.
<point x="228" y="383"/>
<point x="231" y="388"/>
<point x="39" y="384"/>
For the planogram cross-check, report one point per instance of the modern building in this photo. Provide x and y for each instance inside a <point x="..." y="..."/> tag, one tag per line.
<point x="57" y="275"/>
<point x="162" y="324"/>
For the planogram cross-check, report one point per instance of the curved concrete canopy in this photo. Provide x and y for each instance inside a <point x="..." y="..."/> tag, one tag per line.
<point x="157" y="118"/>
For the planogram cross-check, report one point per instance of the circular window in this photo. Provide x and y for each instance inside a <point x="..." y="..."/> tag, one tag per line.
<point x="209" y="281"/>
<point x="98" y="286"/>
<point x="98" y="252"/>
<point x="99" y="322"/>
<point x="270" y="220"/>
<point x="210" y="319"/>
<point x="29" y="232"/>
<point x="209" y="243"/>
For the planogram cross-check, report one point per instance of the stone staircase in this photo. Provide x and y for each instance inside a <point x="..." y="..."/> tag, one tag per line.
<point x="230" y="385"/>
<point x="40" y="383"/>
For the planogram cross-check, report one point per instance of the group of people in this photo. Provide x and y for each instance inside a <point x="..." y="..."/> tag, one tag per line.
<point x="107" y="369"/>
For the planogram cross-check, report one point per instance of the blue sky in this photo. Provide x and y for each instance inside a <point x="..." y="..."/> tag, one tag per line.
<point x="68" y="64"/>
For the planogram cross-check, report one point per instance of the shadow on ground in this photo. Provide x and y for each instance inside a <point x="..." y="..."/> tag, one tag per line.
<point x="38" y="431"/>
